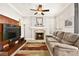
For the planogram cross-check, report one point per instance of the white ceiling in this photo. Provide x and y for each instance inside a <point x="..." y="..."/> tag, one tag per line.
<point x="24" y="8"/>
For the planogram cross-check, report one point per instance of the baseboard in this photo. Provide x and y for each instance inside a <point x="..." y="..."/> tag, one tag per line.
<point x="33" y="40"/>
<point x="29" y="39"/>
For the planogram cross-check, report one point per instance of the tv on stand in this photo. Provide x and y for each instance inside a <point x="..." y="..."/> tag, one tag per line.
<point x="10" y="32"/>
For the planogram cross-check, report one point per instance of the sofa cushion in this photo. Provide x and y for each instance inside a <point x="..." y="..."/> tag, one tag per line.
<point x="66" y="42"/>
<point x="77" y="43"/>
<point x="69" y="37"/>
<point x="51" y="39"/>
<point x="66" y="46"/>
<point x="73" y="38"/>
<point x="58" y="39"/>
<point x="60" y="34"/>
<point x="58" y="51"/>
<point x="66" y="36"/>
<point x="53" y="44"/>
<point x="55" y="33"/>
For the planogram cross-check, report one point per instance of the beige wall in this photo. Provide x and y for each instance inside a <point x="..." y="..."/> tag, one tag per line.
<point x="30" y="21"/>
<point x="67" y="13"/>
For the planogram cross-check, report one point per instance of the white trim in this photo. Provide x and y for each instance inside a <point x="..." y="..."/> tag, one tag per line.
<point x="29" y="39"/>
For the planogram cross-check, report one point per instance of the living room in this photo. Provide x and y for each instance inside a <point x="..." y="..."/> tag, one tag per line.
<point x="37" y="24"/>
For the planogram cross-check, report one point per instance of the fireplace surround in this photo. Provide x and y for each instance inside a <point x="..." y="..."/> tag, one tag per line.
<point x="38" y="33"/>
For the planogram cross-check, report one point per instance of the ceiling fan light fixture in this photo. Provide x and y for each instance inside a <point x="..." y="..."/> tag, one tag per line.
<point x="40" y="10"/>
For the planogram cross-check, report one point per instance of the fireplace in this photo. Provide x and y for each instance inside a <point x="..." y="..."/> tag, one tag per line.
<point x="38" y="33"/>
<point x="39" y="36"/>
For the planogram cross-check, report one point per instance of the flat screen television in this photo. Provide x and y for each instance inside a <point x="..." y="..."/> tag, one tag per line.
<point x="11" y="32"/>
<point x="12" y="35"/>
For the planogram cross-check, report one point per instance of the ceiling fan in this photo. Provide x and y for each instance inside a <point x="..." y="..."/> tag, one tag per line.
<point x="39" y="9"/>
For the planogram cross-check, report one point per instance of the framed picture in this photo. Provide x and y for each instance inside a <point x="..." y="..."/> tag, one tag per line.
<point x="69" y="22"/>
<point x="39" y="21"/>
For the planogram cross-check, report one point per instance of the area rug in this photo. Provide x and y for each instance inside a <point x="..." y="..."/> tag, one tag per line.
<point x="33" y="49"/>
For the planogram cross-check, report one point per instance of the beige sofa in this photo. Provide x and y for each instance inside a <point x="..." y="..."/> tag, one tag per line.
<point x="63" y="44"/>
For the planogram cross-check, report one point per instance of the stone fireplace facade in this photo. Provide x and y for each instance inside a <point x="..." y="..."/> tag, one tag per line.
<point x="38" y="33"/>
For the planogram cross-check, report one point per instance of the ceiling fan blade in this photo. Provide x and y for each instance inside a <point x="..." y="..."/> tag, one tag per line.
<point x="35" y="13"/>
<point x="42" y="13"/>
<point x="45" y="10"/>
<point x="33" y="9"/>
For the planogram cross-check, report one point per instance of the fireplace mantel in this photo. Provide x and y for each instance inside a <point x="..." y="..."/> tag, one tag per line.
<point x="39" y="28"/>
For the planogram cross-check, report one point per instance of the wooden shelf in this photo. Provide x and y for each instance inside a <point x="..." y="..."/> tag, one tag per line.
<point x="8" y="20"/>
<point x="12" y="49"/>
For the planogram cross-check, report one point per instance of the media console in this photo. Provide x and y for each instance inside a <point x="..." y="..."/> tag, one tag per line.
<point x="10" y="36"/>
<point x="11" y="48"/>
